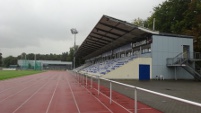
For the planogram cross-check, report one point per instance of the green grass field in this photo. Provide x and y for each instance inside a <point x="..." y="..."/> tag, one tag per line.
<point x="13" y="74"/>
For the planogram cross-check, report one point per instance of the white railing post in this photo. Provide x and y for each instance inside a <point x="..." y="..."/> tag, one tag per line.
<point x="135" y="97"/>
<point x="78" y="78"/>
<point x="110" y="92"/>
<point x="86" y="81"/>
<point x="91" y="82"/>
<point x="135" y="89"/>
<point x="98" y="85"/>
<point x="83" y="79"/>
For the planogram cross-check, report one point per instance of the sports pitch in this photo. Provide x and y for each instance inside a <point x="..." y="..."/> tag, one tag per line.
<point x="7" y="74"/>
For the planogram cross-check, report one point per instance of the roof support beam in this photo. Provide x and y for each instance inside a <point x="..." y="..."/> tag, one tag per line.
<point x="113" y="27"/>
<point x="91" y="45"/>
<point x="98" y="29"/>
<point x="99" y="39"/>
<point x="104" y="36"/>
<point x="94" y="44"/>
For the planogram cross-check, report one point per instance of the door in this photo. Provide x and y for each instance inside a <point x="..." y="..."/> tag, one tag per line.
<point x="186" y="51"/>
<point x="144" y="72"/>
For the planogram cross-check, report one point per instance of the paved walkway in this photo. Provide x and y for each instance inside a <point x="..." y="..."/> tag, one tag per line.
<point x="186" y="89"/>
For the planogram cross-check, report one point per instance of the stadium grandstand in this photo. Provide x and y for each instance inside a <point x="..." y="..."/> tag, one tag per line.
<point x="116" y="49"/>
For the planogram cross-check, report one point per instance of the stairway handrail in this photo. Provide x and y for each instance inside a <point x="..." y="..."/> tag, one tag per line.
<point x="178" y="58"/>
<point x="194" y="71"/>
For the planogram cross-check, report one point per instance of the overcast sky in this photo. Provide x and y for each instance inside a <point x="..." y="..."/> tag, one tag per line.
<point x="43" y="26"/>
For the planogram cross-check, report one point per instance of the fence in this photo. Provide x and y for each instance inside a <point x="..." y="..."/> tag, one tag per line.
<point x="159" y="101"/>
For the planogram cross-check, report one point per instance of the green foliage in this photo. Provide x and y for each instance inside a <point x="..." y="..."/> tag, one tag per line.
<point x="169" y="15"/>
<point x="71" y="56"/>
<point x="65" y="56"/>
<point x="178" y="17"/>
<point x="1" y="59"/>
<point x="138" y="22"/>
<point x="10" y="60"/>
<point x="14" y="74"/>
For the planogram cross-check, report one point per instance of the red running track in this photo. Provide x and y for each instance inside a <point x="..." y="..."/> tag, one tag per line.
<point x="51" y="92"/>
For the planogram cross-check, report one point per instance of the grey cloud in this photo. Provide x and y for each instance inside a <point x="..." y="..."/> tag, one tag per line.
<point x="24" y="23"/>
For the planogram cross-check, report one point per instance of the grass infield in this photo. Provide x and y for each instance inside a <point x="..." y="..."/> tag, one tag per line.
<point x="7" y="74"/>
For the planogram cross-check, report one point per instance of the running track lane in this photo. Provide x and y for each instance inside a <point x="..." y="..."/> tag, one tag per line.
<point x="50" y="92"/>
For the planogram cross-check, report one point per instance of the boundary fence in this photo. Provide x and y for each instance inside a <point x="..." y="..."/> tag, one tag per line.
<point x="88" y="81"/>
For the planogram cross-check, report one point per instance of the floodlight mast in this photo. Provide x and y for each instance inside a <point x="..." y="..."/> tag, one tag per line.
<point x="74" y="32"/>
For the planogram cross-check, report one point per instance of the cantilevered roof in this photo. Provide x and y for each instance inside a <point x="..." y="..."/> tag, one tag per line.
<point x="110" y="33"/>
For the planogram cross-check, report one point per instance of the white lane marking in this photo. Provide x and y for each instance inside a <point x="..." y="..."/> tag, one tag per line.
<point x="52" y="95"/>
<point x="16" y="93"/>
<point x="115" y="102"/>
<point x="14" y="87"/>
<point x="30" y="97"/>
<point x="99" y="101"/>
<point x="9" y="81"/>
<point x="73" y="96"/>
<point x="19" y="91"/>
<point x="96" y="98"/>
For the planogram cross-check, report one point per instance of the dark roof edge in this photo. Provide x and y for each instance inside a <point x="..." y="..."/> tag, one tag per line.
<point x="174" y="35"/>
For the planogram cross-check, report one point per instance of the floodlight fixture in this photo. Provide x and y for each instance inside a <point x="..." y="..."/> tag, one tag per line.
<point x="74" y="31"/>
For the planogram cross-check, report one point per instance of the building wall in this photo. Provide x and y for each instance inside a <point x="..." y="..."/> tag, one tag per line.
<point x="129" y="70"/>
<point x="164" y="47"/>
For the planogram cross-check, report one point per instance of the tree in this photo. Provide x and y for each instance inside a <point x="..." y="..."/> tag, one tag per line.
<point x="1" y="59"/>
<point x="178" y="17"/>
<point x="64" y="56"/>
<point x="138" y="22"/>
<point x="71" y="54"/>
<point x="192" y="23"/>
<point x="30" y="56"/>
<point x="168" y="15"/>
<point x="10" y="60"/>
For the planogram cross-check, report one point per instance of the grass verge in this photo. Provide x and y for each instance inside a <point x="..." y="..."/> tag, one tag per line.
<point x="7" y="74"/>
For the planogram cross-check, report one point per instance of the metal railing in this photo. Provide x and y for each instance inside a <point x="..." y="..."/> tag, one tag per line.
<point x="88" y="81"/>
<point x="182" y="57"/>
<point x="197" y="55"/>
<point x="179" y="59"/>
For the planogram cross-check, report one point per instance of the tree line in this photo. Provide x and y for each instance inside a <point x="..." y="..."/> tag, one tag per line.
<point x="177" y="17"/>
<point x="64" y="56"/>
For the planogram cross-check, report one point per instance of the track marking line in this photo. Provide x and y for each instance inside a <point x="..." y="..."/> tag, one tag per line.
<point x="96" y="112"/>
<point x="73" y="96"/>
<point x="114" y="101"/>
<point x="96" y="98"/>
<point x="30" y="97"/>
<point x="19" y="92"/>
<point x="16" y="93"/>
<point x="99" y="101"/>
<point x="52" y="95"/>
<point x="12" y="87"/>
<point x="29" y="79"/>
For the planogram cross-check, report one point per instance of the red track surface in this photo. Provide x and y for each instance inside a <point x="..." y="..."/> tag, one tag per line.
<point x="57" y="92"/>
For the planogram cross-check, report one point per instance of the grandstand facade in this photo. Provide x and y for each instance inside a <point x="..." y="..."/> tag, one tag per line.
<point x="116" y="49"/>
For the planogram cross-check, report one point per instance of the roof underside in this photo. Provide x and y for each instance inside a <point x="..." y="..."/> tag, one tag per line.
<point x="110" y="33"/>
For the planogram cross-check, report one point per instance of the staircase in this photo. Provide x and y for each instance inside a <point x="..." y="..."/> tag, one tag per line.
<point x="184" y="61"/>
<point x="193" y="72"/>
